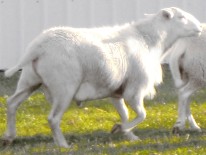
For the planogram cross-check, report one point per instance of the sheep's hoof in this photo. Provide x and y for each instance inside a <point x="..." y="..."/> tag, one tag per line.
<point x="6" y="142"/>
<point x="8" y="139"/>
<point x="79" y="104"/>
<point x="175" y="130"/>
<point x="64" y="145"/>
<point x="196" y="129"/>
<point x="116" y="128"/>
<point x="131" y="136"/>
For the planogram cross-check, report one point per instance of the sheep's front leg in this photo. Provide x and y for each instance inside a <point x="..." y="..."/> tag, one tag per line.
<point x="122" y="110"/>
<point x="184" y="112"/>
<point x="191" y="120"/>
<point x="137" y="105"/>
<point x="174" y="63"/>
<point x="180" y="123"/>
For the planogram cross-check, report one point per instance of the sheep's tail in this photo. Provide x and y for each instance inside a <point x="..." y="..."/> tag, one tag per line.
<point x="27" y="58"/>
<point x="11" y="71"/>
<point x="33" y="52"/>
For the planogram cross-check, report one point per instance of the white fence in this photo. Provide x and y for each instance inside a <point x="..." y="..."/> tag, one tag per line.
<point x="22" y="20"/>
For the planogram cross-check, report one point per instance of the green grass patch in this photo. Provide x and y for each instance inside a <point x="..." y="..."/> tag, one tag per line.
<point x="87" y="129"/>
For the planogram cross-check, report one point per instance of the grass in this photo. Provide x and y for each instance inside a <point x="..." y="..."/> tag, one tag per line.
<point x="87" y="129"/>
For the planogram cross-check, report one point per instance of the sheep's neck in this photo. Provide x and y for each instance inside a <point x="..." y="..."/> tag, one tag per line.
<point x="155" y="37"/>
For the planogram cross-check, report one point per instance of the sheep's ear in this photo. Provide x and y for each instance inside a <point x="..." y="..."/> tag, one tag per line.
<point x="148" y="15"/>
<point x="167" y="14"/>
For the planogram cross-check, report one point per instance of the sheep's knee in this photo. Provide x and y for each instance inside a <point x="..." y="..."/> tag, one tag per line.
<point x="52" y="122"/>
<point x="142" y="115"/>
<point x="179" y="83"/>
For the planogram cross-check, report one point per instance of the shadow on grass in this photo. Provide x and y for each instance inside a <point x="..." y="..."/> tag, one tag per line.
<point x="159" y="140"/>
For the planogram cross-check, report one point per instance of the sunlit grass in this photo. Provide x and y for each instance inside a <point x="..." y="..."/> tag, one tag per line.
<point x="87" y="129"/>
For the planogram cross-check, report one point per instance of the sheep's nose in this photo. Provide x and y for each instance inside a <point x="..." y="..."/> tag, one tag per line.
<point x="200" y="28"/>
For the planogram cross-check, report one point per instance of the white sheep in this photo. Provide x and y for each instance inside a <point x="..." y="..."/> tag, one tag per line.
<point x="121" y="62"/>
<point x="187" y="64"/>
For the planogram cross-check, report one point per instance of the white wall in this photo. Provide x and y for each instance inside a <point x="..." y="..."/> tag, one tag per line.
<point x="22" y="20"/>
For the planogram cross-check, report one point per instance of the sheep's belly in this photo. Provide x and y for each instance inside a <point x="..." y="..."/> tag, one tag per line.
<point x="88" y="91"/>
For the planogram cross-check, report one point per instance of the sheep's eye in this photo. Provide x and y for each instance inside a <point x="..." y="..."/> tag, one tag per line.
<point x="181" y="17"/>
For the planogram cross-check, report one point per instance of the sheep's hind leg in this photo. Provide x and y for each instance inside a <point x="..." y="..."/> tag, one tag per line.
<point x="60" y="103"/>
<point x="26" y="86"/>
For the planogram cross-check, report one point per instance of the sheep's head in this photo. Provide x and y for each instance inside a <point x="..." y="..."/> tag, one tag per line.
<point x="179" y="22"/>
